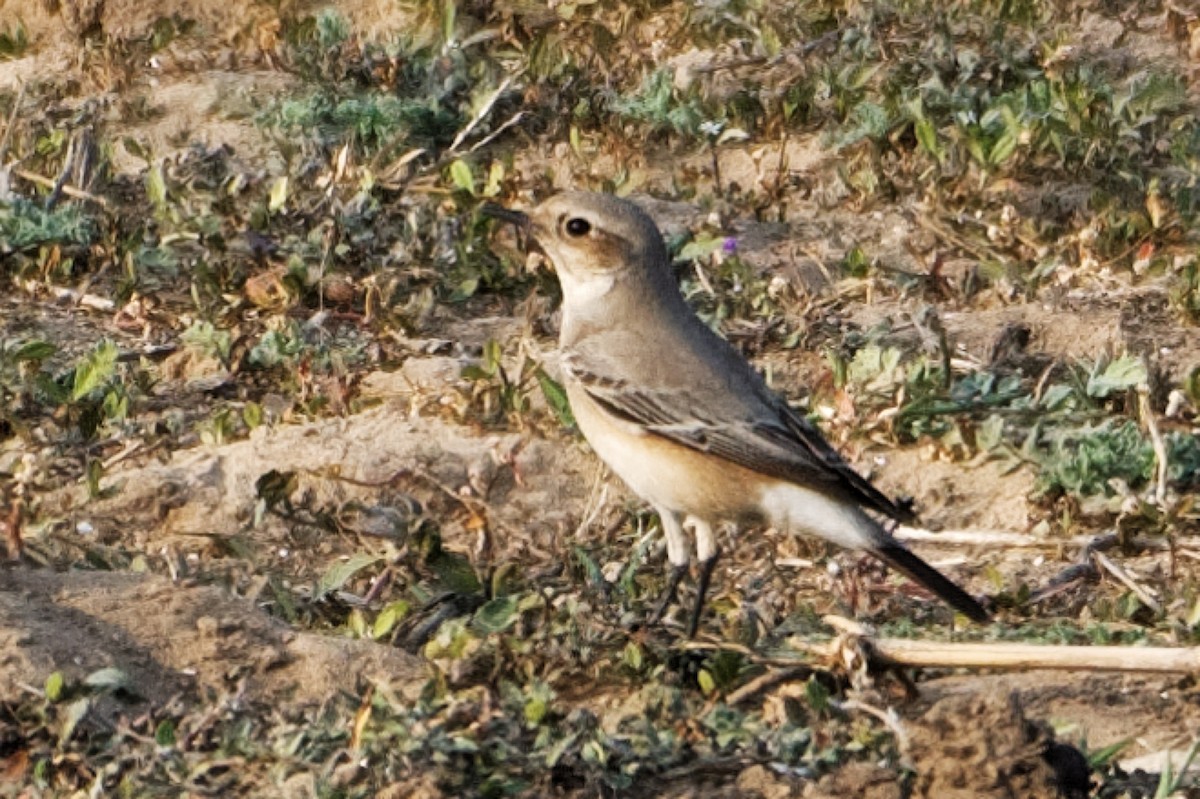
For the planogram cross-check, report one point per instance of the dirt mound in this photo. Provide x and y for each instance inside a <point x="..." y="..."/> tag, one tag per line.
<point x="530" y="485"/>
<point x="168" y="637"/>
<point x="983" y="747"/>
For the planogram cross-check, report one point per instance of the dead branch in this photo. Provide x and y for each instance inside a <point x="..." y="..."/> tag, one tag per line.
<point x="952" y="654"/>
<point x="66" y="189"/>
<point x="1006" y="540"/>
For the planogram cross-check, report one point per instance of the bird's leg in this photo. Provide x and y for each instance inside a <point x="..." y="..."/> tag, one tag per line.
<point x="668" y="594"/>
<point x="706" y="570"/>
<point x="679" y="556"/>
<point x="707" y="553"/>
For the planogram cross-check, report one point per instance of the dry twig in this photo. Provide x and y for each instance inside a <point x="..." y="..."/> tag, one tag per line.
<point x="1156" y="439"/>
<point x="951" y="654"/>
<point x="1006" y="540"/>
<point x="70" y="191"/>
<point x="1125" y="579"/>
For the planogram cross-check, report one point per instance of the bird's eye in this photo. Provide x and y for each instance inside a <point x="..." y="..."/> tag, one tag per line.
<point x="577" y="226"/>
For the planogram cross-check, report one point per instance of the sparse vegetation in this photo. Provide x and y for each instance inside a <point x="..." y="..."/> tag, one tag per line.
<point x="893" y="206"/>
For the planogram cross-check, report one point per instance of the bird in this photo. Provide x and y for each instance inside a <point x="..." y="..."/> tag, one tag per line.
<point x="683" y="418"/>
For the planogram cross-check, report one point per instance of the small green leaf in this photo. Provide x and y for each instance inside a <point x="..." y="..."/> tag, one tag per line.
<point x="559" y="748"/>
<point x="538" y="703"/>
<point x="975" y="148"/>
<point x="74" y="714"/>
<point x="474" y="372"/>
<point x="1102" y="757"/>
<point x="95" y="471"/>
<point x="156" y="187"/>
<point x="54" y="686"/>
<point x="492" y="353"/>
<point x="391" y="615"/>
<point x="495" y="179"/>
<point x="991" y="433"/>
<point x="700" y="247"/>
<point x="461" y="176"/>
<point x="590" y="567"/>
<point x="356" y="622"/>
<point x="252" y="415"/>
<point x="927" y="137"/>
<point x="496" y="616"/>
<point x="1055" y="395"/>
<point x="279" y="194"/>
<point x="341" y="571"/>
<point x="1120" y="375"/>
<point x="34" y="351"/>
<point x="1004" y="147"/>
<point x="164" y="733"/>
<point x="576" y="142"/>
<point x="94" y="370"/>
<point x="451" y="641"/>
<point x="109" y="679"/>
<point x="770" y="40"/>
<point x="632" y="656"/>
<point x="466" y="289"/>
<point x="556" y="398"/>
<point x="817" y="695"/>
<point x="706" y="682"/>
<point x="135" y="148"/>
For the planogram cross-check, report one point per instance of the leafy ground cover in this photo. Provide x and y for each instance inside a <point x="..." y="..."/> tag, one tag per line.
<point x="296" y="505"/>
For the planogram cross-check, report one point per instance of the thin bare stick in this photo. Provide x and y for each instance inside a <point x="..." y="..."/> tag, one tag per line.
<point x="888" y="717"/>
<point x="70" y="191"/>
<point x="1006" y="540"/>
<point x="484" y="110"/>
<point x="1032" y="656"/>
<point x="768" y="680"/>
<point x="1125" y="579"/>
<point x="950" y="654"/>
<point x="514" y="119"/>
<point x="77" y="297"/>
<point x="1156" y="439"/>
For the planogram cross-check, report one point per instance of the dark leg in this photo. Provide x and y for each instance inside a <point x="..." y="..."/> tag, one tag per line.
<point x="668" y="594"/>
<point x="706" y="570"/>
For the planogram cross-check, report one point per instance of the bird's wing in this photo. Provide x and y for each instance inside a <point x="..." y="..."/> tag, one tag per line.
<point x="762" y="434"/>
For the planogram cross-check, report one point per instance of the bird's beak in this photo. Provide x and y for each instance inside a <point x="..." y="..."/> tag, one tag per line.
<point x="518" y="218"/>
<point x="524" y="224"/>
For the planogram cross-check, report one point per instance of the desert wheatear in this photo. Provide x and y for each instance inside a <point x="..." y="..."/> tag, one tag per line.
<point x="681" y="416"/>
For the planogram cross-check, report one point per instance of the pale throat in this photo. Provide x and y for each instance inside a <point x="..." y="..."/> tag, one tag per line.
<point x="584" y="297"/>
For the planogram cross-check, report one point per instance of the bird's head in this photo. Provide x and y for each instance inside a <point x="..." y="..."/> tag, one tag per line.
<point x="593" y="241"/>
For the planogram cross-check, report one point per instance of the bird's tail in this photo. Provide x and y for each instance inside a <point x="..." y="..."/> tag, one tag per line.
<point x="917" y="570"/>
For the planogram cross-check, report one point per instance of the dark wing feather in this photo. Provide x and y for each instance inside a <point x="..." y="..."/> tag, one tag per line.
<point x="783" y="445"/>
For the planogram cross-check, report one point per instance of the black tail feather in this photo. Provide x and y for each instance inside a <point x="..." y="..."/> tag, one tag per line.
<point x="917" y="570"/>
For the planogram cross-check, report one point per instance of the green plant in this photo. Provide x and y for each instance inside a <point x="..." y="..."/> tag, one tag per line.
<point x="1185" y="294"/>
<point x="92" y="390"/>
<point x="497" y="394"/>
<point x="14" y="41"/>
<point x="25" y="226"/>
<point x="660" y="106"/>
<point x="1083" y="461"/>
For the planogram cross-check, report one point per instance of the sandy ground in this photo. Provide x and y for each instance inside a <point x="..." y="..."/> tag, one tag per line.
<point x="972" y="735"/>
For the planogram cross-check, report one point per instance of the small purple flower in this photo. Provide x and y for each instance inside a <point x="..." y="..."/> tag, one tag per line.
<point x="730" y="245"/>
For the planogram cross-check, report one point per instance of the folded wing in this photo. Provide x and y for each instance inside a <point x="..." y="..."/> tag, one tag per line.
<point x="762" y="434"/>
